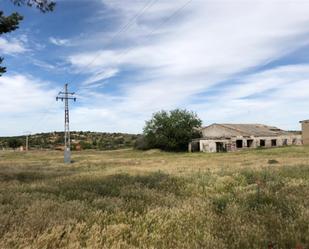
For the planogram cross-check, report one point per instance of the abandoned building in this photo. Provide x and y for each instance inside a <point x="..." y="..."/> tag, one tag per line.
<point x="305" y="131"/>
<point x="234" y="137"/>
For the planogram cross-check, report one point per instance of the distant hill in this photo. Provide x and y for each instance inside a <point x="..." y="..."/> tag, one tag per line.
<point x="82" y="139"/>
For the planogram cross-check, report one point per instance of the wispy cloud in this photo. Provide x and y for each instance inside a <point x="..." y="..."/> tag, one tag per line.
<point x="59" y="42"/>
<point x="102" y="75"/>
<point x="12" y="46"/>
<point x="209" y="42"/>
<point x="275" y="96"/>
<point x="44" y="65"/>
<point x="142" y="57"/>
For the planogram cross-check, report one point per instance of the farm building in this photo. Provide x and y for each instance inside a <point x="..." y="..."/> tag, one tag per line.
<point x="305" y="131"/>
<point x="233" y="137"/>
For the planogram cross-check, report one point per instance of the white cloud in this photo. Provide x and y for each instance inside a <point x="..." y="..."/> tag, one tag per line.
<point x="208" y="42"/>
<point x="44" y="65"/>
<point x="276" y="96"/>
<point x="102" y="75"/>
<point x="12" y="46"/>
<point x="24" y="102"/>
<point x="59" y="42"/>
<point x="217" y="39"/>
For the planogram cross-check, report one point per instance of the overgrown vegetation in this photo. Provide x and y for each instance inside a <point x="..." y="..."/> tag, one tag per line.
<point x="80" y="140"/>
<point x="152" y="199"/>
<point x="14" y="143"/>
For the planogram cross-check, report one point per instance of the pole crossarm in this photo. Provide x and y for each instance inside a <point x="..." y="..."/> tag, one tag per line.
<point x="71" y="93"/>
<point x="63" y="98"/>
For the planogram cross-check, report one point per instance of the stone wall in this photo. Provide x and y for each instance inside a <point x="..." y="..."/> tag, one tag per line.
<point x="305" y="132"/>
<point x="241" y="143"/>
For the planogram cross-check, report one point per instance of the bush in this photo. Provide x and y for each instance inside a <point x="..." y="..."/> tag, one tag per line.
<point x="272" y="161"/>
<point x="14" y="143"/>
<point x="85" y="145"/>
<point x="172" y="131"/>
<point x="141" y="143"/>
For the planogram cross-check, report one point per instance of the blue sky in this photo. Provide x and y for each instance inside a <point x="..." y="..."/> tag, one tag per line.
<point x="229" y="61"/>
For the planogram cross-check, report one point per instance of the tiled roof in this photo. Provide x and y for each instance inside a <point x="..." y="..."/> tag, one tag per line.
<point x="255" y="129"/>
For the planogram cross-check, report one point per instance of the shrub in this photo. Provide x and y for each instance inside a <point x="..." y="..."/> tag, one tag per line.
<point x="272" y="161"/>
<point x="141" y="143"/>
<point x="172" y="131"/>
<point x="14" y="143"/>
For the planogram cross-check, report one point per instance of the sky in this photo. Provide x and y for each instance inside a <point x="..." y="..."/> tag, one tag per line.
<point x="229" y="61"/>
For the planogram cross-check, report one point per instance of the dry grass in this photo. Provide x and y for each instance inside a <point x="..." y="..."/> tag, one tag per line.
<point x="131" y="199"/>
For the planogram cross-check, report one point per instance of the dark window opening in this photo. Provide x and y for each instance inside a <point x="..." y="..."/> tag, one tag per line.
<point x="294" y="141"/>
<point x="262" y="143"/>
<point x="239" y="144"/>
<point x="273" y="142"/>
<point x="220" y="147"/>
<point x="249" y="143"/>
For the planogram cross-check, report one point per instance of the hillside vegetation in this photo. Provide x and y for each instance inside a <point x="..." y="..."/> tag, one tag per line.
<point x="132" y="199"/>
<point x="85" y="139"/>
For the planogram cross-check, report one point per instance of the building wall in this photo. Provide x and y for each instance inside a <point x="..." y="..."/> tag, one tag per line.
<point x="210" y="145"/>
<point x="305" y="133"/>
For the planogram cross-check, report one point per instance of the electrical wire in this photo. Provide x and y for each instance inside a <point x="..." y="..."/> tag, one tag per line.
<point x="124" y="28"/>
<point x="174" y="14"/>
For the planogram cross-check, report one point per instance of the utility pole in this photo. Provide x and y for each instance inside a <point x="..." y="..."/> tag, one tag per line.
<point x="66" y="96"/>
<point x="27" y="142"/>
<point x="27" y="134"/>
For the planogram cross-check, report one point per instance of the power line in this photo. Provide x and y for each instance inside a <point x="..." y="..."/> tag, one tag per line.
<point x="124" y="28"/>
<point x="173" y="15"/>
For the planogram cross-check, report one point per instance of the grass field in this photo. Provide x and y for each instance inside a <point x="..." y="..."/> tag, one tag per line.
<point x="132" y="199"/>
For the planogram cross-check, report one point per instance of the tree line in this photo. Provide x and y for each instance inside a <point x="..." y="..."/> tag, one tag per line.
<point x="166" y="130"/>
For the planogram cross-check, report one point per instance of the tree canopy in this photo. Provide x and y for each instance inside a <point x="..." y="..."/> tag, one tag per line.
<point x="42" y="5"/>
<point x="11" y="22"/>
<point x="172" y="131"/>
<point x="14" y="143"/>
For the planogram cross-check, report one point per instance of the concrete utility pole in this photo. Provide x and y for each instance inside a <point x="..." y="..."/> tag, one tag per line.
<point x="67" y="143"/>
<point x="27" y="134"/>
<point x="27" y="142"/>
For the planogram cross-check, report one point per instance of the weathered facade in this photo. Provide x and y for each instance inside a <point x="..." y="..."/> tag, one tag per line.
<point x="234" y="137"/>
<point x="305" y="131"/>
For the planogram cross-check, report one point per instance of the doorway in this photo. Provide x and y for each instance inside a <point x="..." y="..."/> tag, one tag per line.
<point x="239" y="144"/>
<point x="220" y="147"/>
<point x="274" y="142"/>
<point x="250" y="143"/>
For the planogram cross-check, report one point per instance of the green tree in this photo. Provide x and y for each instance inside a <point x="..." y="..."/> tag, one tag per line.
<point x="172" y="131"/>
<point x="11" y="22"/>
<point x="14" y="143"/>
